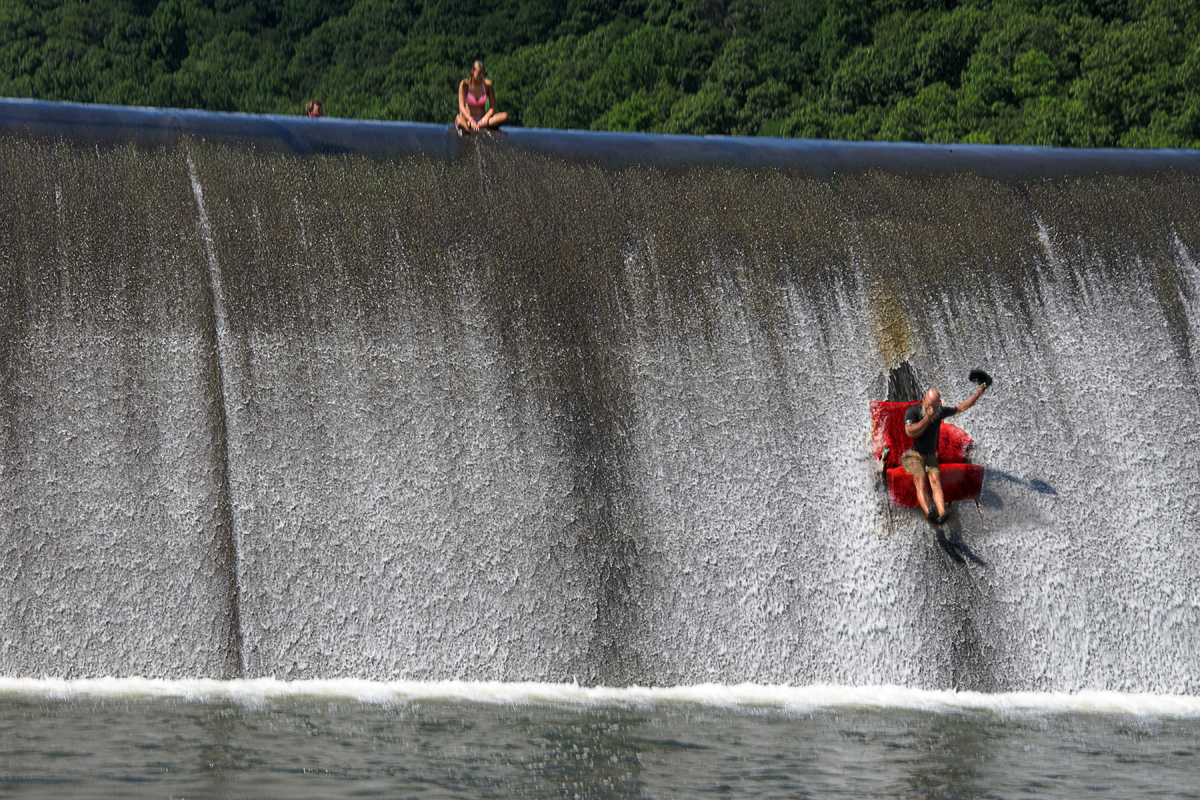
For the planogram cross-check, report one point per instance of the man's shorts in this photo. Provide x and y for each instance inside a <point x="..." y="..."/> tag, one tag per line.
<point x="915" y="463"/>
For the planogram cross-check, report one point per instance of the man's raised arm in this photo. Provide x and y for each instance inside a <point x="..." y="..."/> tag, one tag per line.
<point x="973" y="399"/>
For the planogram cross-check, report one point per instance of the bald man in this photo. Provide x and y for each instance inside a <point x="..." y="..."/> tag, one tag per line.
<point x="923" y="423"/>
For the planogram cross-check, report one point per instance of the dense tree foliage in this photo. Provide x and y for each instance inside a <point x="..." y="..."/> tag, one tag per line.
<point x="1063" y="72"/>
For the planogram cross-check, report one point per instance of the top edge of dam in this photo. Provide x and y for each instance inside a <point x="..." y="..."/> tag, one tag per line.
<point x="106" y="126"/>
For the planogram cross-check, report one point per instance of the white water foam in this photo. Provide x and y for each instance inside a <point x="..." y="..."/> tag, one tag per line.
<point x="743" y="697"/>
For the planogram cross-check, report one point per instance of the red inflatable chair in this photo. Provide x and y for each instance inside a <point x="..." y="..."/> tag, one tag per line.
<point x="960" y="480"/>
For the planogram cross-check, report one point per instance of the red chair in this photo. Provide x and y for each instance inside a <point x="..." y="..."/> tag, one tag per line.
<point x="960" y="480"/>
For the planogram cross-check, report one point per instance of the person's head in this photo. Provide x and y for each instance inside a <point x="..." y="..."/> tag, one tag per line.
<point x="932" y="399"/>
<point x="477" y="72"/>
<point x="313" y="108"/>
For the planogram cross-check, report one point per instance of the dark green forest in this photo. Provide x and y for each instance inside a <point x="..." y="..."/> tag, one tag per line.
<point x="1081" y="73"/>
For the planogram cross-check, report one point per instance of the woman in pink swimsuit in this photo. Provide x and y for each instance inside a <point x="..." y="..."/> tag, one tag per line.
<point x="474" y="93"/>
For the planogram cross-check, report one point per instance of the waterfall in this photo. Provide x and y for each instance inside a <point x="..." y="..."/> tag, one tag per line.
<point x="510" y="415"/>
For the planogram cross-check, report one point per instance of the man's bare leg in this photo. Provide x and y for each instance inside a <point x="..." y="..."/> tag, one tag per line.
<point x="935" y="483"/>
<point x="922" y="485"/>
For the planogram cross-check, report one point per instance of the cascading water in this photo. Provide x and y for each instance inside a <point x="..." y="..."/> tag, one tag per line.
<point x="509" y="416"/>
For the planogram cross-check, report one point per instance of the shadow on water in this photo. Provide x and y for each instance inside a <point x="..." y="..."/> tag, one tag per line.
<point x="1042" y="487"/>
<point x="989" y="499"/>
<point x="1036" y="484"/>
<point x="957" y="549"/>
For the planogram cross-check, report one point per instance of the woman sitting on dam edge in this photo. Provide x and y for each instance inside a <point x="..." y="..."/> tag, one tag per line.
<point x="474" y="93"/>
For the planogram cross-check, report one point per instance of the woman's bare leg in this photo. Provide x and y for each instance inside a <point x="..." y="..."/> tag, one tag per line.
<point x="495" y="120"/>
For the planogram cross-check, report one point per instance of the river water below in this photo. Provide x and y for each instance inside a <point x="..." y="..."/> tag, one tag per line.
<point x="163" y="739"/>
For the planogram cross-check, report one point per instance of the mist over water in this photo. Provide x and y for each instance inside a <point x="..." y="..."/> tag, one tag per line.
<point x="506" y="417"/>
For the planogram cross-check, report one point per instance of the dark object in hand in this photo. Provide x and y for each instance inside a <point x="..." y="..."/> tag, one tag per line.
<point x="979" y="376"/>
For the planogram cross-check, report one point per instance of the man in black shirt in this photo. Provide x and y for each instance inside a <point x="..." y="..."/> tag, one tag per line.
<point x="923" y="423"/>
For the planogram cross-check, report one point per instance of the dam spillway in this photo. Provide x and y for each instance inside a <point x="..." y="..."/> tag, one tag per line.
<point x="504" y="413"/>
